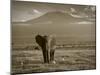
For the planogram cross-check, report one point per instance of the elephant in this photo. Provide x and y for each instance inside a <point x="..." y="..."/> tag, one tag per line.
<point x="41" y="41"/>
<point x="47" y="44"/>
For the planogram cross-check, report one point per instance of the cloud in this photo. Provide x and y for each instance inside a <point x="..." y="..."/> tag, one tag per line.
<point x="22" y="24"/>
<point x="72" y="10"/>
<point x="46" y="22"/>
<point x="85" y="22"/>
<point x="79" y="15"/>
<point x="90" y="8"/>
<point x="93" y="8"/>
<point x="87" y="12"/>
<point x="36" y="11"/>
<point x="82" y="22"/>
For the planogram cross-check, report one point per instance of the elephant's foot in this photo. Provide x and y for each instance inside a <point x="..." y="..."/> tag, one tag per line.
<point x="53" y="62"/>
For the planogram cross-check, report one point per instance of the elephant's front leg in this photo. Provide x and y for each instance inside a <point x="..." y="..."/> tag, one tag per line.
<point x="47" y="54"/>
<point x="44" y="55"/>
<point x="52" y="54"/>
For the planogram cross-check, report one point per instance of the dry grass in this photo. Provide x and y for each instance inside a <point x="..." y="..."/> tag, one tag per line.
<point x="31" y="61"/>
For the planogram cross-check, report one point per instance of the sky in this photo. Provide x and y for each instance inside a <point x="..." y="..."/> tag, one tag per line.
<point x="31" y="12"/>
<point x="23" y="11"/>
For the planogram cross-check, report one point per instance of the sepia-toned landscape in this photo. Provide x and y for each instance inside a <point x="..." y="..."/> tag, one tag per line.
<point x="74" y="29"/>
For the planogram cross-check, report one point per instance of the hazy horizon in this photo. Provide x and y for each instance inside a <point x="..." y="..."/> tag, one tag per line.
<point x="63" y="20"/>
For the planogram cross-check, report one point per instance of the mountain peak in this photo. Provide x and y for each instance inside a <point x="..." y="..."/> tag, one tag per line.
<point x="54" y="16"/>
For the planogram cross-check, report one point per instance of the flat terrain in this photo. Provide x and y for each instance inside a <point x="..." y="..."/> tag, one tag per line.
<point x="28" y="60"/>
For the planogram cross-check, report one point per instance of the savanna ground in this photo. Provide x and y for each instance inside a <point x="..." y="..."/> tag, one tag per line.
<point x="28" y="59"/>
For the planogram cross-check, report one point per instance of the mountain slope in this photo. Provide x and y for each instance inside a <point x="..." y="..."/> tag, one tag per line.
<point x="55" y="17"/>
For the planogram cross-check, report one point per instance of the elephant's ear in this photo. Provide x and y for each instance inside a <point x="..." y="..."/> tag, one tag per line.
<point x="39" y="40"/>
